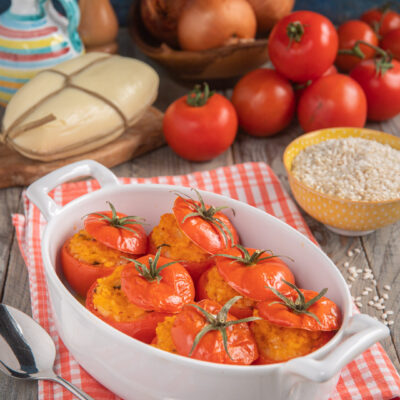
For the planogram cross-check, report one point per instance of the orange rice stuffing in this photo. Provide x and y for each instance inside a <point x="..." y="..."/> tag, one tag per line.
<point x="218" y="290"/>
<point x="87" y="249"/>
<point x="180" y="247"/>
<point x="163" y="335"/>
<point x="279" y="344"/>
<point x="110" y="301"/>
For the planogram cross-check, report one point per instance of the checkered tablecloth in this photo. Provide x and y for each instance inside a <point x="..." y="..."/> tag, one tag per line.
<point x="371" y="376"/>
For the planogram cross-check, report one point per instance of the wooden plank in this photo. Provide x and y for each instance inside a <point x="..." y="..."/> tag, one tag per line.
<point x="145" y="135"/>
<point x="9" y="203"/>
<point x="16" y="294"/>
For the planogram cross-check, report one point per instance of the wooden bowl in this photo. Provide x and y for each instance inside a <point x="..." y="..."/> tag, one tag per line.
<point x="223" y="63"/>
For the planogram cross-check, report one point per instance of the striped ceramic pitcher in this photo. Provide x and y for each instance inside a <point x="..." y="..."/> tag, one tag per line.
<point x="34" y="36"/>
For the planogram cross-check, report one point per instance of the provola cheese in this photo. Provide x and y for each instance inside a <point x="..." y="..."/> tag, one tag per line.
<point x="78" y="106"/>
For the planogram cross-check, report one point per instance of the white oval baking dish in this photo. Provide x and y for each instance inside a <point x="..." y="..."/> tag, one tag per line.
<point x="137" y="371"/>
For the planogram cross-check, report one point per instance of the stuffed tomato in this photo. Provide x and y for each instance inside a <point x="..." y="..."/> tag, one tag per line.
<point x="107" y="301"/>
<point x="105" y="243"/>
<point x="207" y="331"/>
<point x="295" y="325"/>
<point x="193" y="233"/>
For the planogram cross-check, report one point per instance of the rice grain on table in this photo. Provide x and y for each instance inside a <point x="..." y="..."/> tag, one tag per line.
<point x="350" y="168"/>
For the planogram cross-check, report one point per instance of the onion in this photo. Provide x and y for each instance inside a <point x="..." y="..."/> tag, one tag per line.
<point x="269" y="12"/>
<point x="207" y="24"/>
<point x="160" y="18"/>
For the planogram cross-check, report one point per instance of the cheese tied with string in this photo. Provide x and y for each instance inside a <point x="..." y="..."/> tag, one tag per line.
<point x="78" y="106"/>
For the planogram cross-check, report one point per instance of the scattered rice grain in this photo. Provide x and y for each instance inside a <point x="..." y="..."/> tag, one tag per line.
<point x="387" y="287"/>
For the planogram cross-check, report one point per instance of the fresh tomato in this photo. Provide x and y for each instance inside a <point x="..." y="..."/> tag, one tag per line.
<point x="349" y="33"/>
<point x="201" y="125"/>
<point x="241" y="309"/>
<point x="118" y="231"/>
<point x="382" y="20"/>
<point x="303" y="45"/>
<point x="195" y="268"/>
<point x="332" y="101"/>
<point x="381" y="86"/>
<point x="264" y="101"/>
<point x="391" y="42"/>
<point x="81" y="274"/>
<point x="251" y="272"/>
<point x="157" y="283"/>
<point x="217" y="338"/>
<point x="302" y="309"/>
<point x="299" y="88"/>
<point x="141" y="326"/>
<point x="205" y="225"/>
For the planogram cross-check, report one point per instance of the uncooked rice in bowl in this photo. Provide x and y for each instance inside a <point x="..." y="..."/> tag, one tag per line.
<point x="350" y="168"/>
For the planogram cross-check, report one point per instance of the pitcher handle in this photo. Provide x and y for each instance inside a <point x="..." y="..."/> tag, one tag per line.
<point x="38" y="191"/>
<point x="73" y="15"/>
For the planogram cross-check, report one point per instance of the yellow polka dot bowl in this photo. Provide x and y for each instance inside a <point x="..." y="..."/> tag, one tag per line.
<point x="346" y="217"/>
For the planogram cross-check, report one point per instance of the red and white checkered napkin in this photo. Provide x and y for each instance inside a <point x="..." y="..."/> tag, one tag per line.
<point x="370" y="376"/>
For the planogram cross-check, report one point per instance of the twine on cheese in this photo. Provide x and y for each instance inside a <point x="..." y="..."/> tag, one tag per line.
<point x="13" y="131"/>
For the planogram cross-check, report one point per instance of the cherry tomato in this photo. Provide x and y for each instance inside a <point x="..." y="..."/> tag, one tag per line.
<point x="303" y="45"/>
<point x="157" y="283"/>
<point x="332" y="101"/>
<point x="391" y="42"/>
<point x="238" y="310"/>
<point x="117" y="230"/>
<point x="141" y="327"/>
<point x="349" y="33"/>
<point x="251" y="272"/>
<point x="209" y="228"/>
<point x="382" y="21"/>
<point x="264" y="102"/>
<point x="240" y="342"/>
<point x="381" y="88"/>
<point x="200" y="126"/>
<point x="195" y="268"/>
<point x="322" y="315"/>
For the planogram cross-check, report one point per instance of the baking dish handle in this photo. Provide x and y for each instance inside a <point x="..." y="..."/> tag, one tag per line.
<point x="38" y="191"/>
<point x="362" y="332"/>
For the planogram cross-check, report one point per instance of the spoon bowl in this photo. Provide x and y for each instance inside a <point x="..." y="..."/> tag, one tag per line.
<point x="27" y="351"/>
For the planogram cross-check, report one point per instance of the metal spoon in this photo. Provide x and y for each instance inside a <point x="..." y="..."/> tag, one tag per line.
<point x="27" y="351"/>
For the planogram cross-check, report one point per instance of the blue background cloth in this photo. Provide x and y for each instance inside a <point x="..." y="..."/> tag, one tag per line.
<point x="337" y="10"/>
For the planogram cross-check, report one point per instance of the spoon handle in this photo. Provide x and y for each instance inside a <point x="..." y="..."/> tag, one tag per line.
<point x="78" y="393"/>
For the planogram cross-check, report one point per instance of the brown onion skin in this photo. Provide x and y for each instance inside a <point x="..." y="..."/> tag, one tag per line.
<point x="269" y="12"/>
<point x="160" y="17"/>
<point x="207" y="24"/>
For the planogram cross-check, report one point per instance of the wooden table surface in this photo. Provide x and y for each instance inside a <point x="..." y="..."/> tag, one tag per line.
<point x="379" y="251"/>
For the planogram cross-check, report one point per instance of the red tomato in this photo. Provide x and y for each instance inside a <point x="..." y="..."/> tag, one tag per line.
<point x="332" y="101"/>
<point x="201" y="294"/>
<point x="210" y="232"/>
<point x="188" y="324"/>
<point x="391" y="42"/>
<point x="349" y="33"/>
<point x="117" y="230"/>
<point x="79" y="274"/>
<point x="161" y="285"/>
<point x="143" y="328"/>
<point x="200" y="132"/>
<point x="382" y="89"/>
<point x="303" y="45"/>
<point x="299" y="88"/>
<point x="382" y="21"/>
<point x="264" y="102"/>
<point x="195" y="268"/>
<point x="257" y="271"/>
<point x="326" y="314"/>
